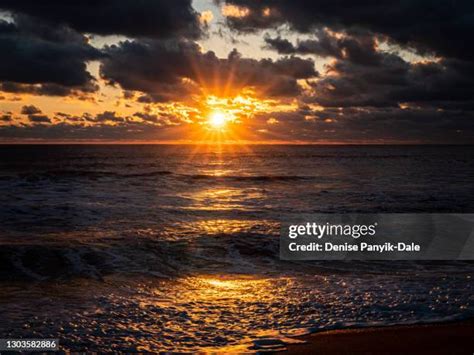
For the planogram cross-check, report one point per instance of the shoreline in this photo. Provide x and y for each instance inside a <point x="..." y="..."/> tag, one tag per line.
<point x="433" y="338"/>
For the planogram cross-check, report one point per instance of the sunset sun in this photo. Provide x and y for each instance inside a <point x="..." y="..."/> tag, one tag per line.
<point x="218" y="119"/>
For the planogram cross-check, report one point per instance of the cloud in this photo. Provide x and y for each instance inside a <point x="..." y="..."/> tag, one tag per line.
<point x="366" y="89"/>
<point x="364" y="75"/>
<point x="49" y="89"/>
<point x="168" y="70"/>
<point x="34" y="114"/>
<point x="281" y="45"/>
<point x="134" y="18"/>
<point x="360" y="49"/>
<point x="347" y="124"/>
<point x="109" y="116"/>
<point x="383" y="124"/>
<point x="393" y="82"/>
<point x="40" y="59"/>
<point x="44" y="50"/>
<point x="112" y="118"/>
<point x="107" y="125"/>
<point x="427" y="26"/>
<point x="30" y="110"/>
<point x="6" y="117"/>
<point x="39" y="118"/>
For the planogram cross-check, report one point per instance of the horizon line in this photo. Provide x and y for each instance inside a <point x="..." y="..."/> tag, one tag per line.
<point x="291" y="143"/>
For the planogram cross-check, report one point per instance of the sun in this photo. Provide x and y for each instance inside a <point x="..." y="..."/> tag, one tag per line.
<point x="218" y="119"/>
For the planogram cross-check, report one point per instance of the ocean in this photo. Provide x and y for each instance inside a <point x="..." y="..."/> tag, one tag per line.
<point x="175" y="247"/>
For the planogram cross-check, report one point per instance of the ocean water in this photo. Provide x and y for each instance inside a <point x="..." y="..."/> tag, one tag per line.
<point x="168" y="247"/>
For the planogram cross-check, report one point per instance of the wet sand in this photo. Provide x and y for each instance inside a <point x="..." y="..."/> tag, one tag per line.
<point x="444" y="338"/>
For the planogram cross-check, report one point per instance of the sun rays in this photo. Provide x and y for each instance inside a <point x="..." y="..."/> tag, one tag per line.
<point x="218" y="120"/>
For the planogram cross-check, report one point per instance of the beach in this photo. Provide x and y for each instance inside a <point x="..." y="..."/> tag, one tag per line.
<point x="440" y="338"/>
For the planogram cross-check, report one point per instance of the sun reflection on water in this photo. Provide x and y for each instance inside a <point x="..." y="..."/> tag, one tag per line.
<point x="212" y="288"/>
<point x="244" y="285"/>
<point x="225" y="198"/>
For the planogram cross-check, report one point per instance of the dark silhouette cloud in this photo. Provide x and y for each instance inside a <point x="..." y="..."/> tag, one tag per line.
<point x="34" y="114"/>
<point x="44" y="50"/>
<point x="281" y="45"/>
<point x="109" y="116"/>
<point x="393" y="82"/>
<point x="135" y="18"/>
<point x="428" y="26"/>
<point x="381" y="124"/>
<point x="347" y="124"/>
<point x="171" y="70"/>
<point x="40" y="59"/>
<point x="364" y="75"/>
<point x="360" y="49"/>
<point x="6" y="117"/>
<point x="30" y="110"/>
<point x="48" y="89"/>
<point x="39" y="118"/>
<point x="108" y="125"/>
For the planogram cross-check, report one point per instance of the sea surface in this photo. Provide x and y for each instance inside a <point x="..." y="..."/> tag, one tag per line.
<point x="175" y="247"/>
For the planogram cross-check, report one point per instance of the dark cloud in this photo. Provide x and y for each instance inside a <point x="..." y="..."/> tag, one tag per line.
<point x="154" y="67"/>
<point x="360" y="49"/>
<point x="394" y="82"/>
<point x="66" y="117"/>
<point x="71" y="132"/>
<point x="44" y="49"/>
<point x="147" y="117"/>
<point x="281" y="45"/>
<point x="364" y="75"/>
<point x="172" y="70"/>
<point x="44" y="60"/>
<point x="6" y="117"/>
<point x="366" y="92"/>
<point x="107" y="125"/>
<point x="49" y="89"/>
<point x="109" y="116"/>
<point x="438" y="26"/>
<point x="384" y="124"/>
<point x="106" y="117"/>
<point x="151" y="18"/>
<point x="30" y="110"/>
<point x="39" y="118"/>
<point x="34" y="114"/>
<point x="161" y="119"/>
<point x="349" y="124"/>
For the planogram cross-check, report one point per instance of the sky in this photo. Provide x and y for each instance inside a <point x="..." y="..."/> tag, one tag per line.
<point x="237" y="71"/>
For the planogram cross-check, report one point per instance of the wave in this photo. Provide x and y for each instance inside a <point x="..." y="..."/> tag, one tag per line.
<point x="74" y="173"/>
<point x="96" y="174"/>
<point x="36" y="262"/>
<point x="249" y="177"/>
<point x="163" y="258"/>
<point x="247" y="253"/>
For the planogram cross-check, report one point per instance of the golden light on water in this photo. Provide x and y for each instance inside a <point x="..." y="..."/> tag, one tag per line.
<point x="241" y="287"/>
<point x="224" y="284"/>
